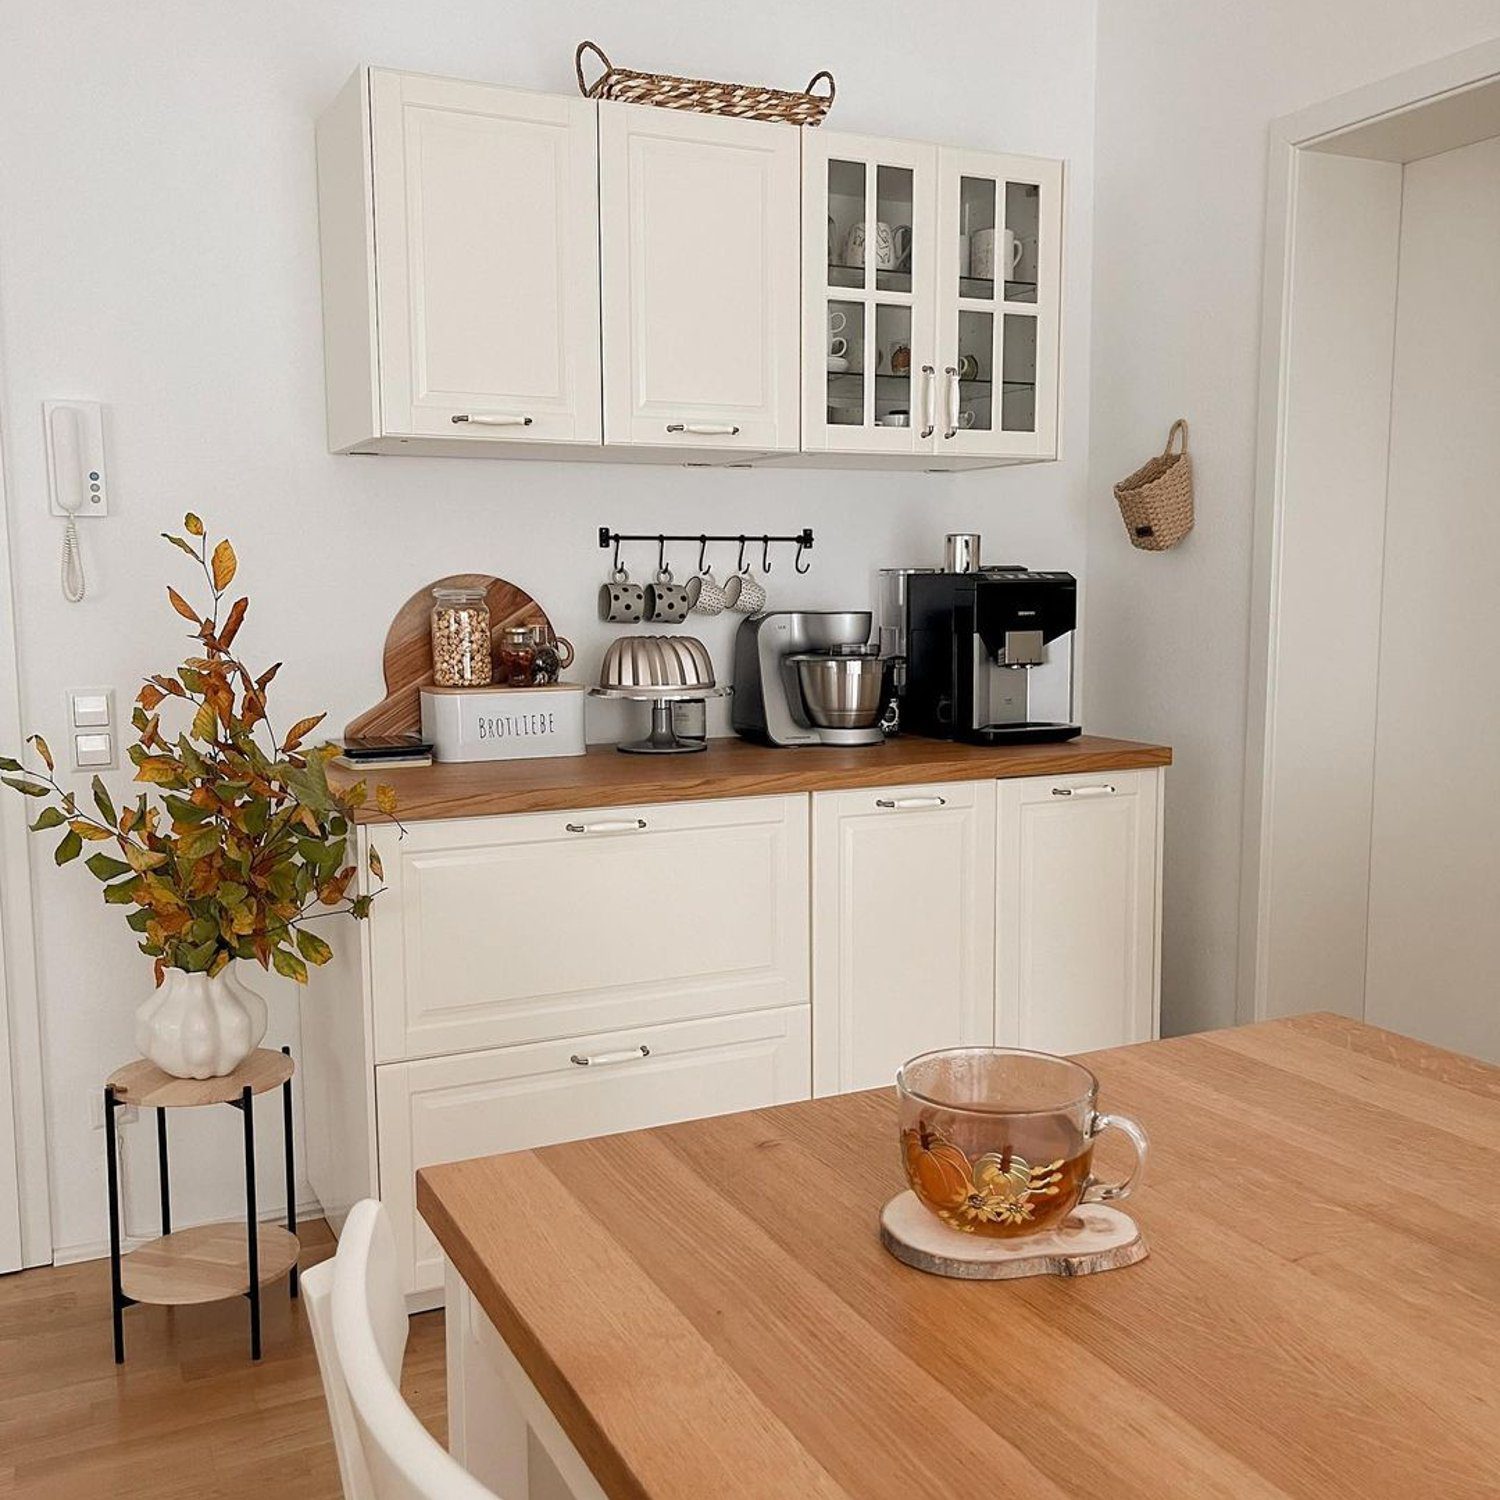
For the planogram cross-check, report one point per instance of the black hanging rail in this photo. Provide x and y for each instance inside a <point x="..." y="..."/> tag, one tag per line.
<point x="801" y="540"/>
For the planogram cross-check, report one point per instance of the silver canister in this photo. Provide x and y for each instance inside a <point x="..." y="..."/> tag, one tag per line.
<point x="962" y="555"/>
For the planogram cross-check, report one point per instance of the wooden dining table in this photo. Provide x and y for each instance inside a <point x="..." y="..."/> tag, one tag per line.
<point x="704" y="1311"/>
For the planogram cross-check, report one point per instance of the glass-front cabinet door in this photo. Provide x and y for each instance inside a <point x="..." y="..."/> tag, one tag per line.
<point x="999" y="222"/>
<point x="869" y="243"/>
<point x="930" y="281"/>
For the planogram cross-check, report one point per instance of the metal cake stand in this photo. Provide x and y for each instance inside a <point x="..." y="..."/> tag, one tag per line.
<point x="663" y="739"/>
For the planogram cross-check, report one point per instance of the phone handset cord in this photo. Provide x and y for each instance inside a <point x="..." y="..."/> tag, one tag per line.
<point x="73" y="585"/>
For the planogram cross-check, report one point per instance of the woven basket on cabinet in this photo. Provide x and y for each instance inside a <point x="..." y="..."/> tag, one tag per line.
<point x="1156" y="502"/>
<point x="747" y="101"/>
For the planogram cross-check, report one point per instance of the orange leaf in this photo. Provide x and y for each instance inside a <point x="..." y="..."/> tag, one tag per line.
<point x="43" y="751"/>
<point x="205" y="722"/>
<point x="223" y="565"/>
<point x="301" y="728"/>
<point x="182" y="607"/>
<point x="385" y="800"/>
<point x="158" y="769"/>
<point x="232" y="623"/>
<point x="149" y="696"/>
<point x="192" y="525"/>
<point x="87" y="830"/>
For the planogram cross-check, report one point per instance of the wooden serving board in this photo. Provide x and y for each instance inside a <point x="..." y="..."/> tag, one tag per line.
<point x="1095" y="1237"/>
<point x="407" y="660"/>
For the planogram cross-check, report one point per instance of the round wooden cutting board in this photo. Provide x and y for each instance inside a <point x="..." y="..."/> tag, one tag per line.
<point x="407" y="659"/>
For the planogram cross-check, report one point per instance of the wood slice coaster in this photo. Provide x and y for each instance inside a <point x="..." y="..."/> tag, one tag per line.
<point x="407" y="661"/>
<point x="1095" y="1237"/>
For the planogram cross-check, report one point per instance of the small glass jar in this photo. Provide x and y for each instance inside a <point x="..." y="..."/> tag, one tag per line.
<point x="461" y="638"/>
<point x="516" y="657"/>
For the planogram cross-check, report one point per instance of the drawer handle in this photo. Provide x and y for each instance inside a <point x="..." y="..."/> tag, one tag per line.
<point x="905" y="803"/>
<point x="609" y="825"/>
<point x="705" y="429"/>
<point x="1083" y="791"/>
<point x="501" y="419"/>
<point x="601" y="1059"/>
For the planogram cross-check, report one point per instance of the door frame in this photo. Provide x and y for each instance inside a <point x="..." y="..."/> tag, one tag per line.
<point x="20" y="999"/>
<point x="1437" y="106"/>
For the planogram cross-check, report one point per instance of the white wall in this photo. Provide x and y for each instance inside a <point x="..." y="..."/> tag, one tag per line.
<point x="1186" y="89"/>
<point x="158" y="252"/>
<point x="1434" y="947"/>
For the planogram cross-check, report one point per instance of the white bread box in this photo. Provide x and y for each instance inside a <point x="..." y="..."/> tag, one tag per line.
<point x="497" y="723"/>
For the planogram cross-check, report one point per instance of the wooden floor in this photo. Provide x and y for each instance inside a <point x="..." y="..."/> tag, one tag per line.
<point x="188" y="1414"/>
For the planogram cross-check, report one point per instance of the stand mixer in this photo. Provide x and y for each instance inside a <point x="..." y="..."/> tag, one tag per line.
<point x="808" y="677"/>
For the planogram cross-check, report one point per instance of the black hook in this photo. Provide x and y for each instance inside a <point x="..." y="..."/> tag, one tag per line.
<point x="765" y="554"/>
<point x="797" y="561"/>
<point x="702" y="552"/>
<point x="616" y="568"/>
<point x="661" y="555"/>
<point x="739" y="567"/>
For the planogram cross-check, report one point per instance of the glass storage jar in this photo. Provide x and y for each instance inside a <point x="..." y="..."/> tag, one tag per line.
<point x="516" y="657"/>
<point x="461" y="638"/>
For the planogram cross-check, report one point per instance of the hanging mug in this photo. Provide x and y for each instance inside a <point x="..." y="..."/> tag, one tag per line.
<point x="666" y="601"/>
<point x="621" y="602"/>
<point x="706" y="594"/>
<point x="744" y="594"/>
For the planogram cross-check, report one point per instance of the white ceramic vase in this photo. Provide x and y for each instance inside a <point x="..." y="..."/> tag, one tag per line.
<point x="197" y="1026"/>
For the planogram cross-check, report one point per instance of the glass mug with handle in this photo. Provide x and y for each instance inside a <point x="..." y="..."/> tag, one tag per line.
<point x="999" y="1142"/>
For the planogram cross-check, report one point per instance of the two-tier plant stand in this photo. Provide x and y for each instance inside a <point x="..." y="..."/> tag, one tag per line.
<point x="211" y="1261"/>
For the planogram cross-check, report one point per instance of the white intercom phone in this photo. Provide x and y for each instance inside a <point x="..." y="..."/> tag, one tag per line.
<point x="75" y="478"/>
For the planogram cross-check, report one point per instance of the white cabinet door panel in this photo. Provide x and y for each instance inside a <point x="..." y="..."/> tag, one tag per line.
<point x="1077" y="931"/>
<point x="486" y="261"/>
<point x="903" y="927"/>
<point x="495" y="931"/>
<point x="699" y="241"/>
<point x="451" y="1108"/>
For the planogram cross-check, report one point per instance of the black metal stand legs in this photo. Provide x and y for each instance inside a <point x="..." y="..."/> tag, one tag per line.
<point x="245" y="1103"/>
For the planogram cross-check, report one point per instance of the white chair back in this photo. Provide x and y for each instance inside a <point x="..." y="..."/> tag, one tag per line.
<point x="359" y="1329"/>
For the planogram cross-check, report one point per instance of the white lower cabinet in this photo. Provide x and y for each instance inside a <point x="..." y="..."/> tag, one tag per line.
<point x="1078" y="883"/>
<point x="448" y="1108"/>
<point x="542" y="977"/>
<point x="903" y="927"/>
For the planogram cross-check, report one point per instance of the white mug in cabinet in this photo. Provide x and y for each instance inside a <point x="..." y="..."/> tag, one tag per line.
<point x="982" y="253"/>
<point x="892" y="246"/>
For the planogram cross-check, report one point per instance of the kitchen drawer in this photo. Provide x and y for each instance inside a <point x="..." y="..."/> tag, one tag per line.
<point x="450" y="1108"/>
<point x="498" y="931"/>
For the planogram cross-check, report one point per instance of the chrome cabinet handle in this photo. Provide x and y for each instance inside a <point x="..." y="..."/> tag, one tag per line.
<point x="905" y="803"/>
<point x="929" y="401"/>
<point x="951" y="371"/>
<point x="497" y="419"/>
<point x="704" y="429"/>
<point x="603" y="1059"/>
<point x="1102" y="790"/>
<point x="608" y="825"/>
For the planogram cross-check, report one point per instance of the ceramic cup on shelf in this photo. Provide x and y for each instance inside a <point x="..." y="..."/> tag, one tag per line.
<point x="745" y="594"/>
<point x="621" y="602"/>
<point x="888" y="247"/>
<point x="895" y="419"/>
<point x="982" y="245"/>
<point x="706" y="594"/>
<point x="968" y="367"/>
<point x="666" y="602"/>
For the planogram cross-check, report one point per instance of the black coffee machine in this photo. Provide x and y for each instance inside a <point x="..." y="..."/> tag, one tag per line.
<point x="990" y="655"/>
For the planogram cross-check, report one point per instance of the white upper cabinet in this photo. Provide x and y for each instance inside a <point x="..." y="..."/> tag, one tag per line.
<point x="1078" y="884"/>
<point x="930" y="302"/>
<point x="698" y="230"/>
<point x="460" y="265"/>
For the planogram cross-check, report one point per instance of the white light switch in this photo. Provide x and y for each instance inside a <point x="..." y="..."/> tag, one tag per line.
<point x="91" y="708"/>
<point x="91" y="751"/>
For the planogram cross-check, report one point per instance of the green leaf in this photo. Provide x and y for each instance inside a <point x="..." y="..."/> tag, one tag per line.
<point x="312" y="947"/>
<point x="123" y="894"/>
<point x="103" y="803"/>
<point x="26" y="788"/>
<point x="69" y="849"/>
<point x="195" y="958"/>
<point x="139" y="919"/>
<point x="230" y="894"/>
<point x="8" y="764"/>
<point x="49" y="817"/>
<point x="198" y="842"/>
<point x="359" y="908"/>
<point x="106" y="866"/>
<point x="290" y="965"/>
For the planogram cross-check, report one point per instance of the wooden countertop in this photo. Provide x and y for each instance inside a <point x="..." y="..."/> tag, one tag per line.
<point x="729" y="768"/>
<point x="707" y="1310"/>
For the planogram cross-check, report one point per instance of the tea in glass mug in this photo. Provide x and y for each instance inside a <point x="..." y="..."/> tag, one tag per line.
<point x="997" y="1141"/>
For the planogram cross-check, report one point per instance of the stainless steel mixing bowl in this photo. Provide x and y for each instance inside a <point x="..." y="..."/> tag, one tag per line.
<point x="841" y="691"/>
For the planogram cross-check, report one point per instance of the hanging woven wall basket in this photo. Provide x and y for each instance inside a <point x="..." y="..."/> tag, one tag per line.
<point x="747" y="101"/>
<point x="1156" y="502"/>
